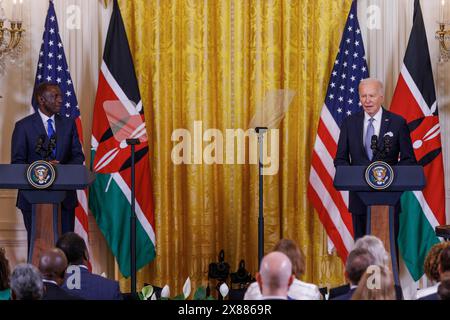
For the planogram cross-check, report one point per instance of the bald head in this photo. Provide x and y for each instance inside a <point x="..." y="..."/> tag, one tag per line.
<point x="53" y="265"/>
<point x="275" y="274"/>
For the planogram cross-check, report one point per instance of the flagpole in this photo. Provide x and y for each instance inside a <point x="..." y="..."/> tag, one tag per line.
<point x="133" y="143"/>
<point x="260" y="131"/>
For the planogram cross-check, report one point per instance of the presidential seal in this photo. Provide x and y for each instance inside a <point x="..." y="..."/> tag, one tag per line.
<point x="379" y="175"/>
<point x="41" y="174"/>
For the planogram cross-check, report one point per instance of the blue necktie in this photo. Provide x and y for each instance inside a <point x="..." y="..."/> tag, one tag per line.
<point x="368" y="140"/>
<point x="50" y="133"/>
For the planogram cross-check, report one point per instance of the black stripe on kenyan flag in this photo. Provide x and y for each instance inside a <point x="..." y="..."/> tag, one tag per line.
<point x="117" y="56"/>
<point x="417" y="58"/>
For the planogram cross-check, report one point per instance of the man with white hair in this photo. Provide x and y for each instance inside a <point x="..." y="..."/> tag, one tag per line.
<point x="371" y="135"/>
<point x="26" y="283"/>
<point x="275" y="276"/>
<point x="376" y="248"/>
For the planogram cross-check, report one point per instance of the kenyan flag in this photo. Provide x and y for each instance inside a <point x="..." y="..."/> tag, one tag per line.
<point x="415" y="100"/>
<point x="118" y="114"/>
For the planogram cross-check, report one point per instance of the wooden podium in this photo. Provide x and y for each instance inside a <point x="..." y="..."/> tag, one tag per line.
<point x="46" y="226"/>
<point x="381" y="203"/>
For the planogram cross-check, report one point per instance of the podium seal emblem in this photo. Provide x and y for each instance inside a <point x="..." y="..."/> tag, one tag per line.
<point x="379" y="175"/>
<point x="41" y="174"/>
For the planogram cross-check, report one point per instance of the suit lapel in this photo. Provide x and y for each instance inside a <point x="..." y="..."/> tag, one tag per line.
<point x="59" y="136"/>
<point x="385" y="121"/>
<point x="360" y="131"/>
<point x="39" y="125"/>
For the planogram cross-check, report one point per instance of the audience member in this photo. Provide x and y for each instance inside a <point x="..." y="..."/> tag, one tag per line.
<point x="298" y="290"/>
<point x="376" y="283"/>
<point x="90" y="286"/>
<point x="275" y="276"/>
<point x="376" y="248"/>
<point x="357" y="263"/>
<point x="53" y="265"/>
<point x="436" y="264"/>
<point x="5" y="291"/>
<point x="26" y="283"/>
<point x="444" y="286"/>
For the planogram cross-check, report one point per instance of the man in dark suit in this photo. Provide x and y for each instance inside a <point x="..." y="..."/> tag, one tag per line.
<point x="364" y="138"/>
<point x="356" y="265"/>
<point x="79" y="280"/>
<point x="40" y="128"/>
<point x="53" y="265"/>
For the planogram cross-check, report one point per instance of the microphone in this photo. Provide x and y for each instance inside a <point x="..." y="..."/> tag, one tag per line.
<point x="373" y="143"/>
<point x="387" y="143"/>
<point x="51" y="146"/>
<point x="39" y="144"/>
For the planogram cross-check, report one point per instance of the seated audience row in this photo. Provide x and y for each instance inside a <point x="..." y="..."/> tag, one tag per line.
<point x="63" y="275"/>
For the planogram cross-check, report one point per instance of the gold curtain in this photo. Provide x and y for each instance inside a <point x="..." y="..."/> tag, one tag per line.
<point x="214" y="61"/>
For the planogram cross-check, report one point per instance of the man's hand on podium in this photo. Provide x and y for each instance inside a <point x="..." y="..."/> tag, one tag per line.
<point x="54" y="161"/>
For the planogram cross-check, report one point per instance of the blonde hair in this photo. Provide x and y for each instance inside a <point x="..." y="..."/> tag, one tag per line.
<point x="385" y="290"/>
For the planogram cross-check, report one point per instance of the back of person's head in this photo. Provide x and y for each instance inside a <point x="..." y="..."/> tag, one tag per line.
<point x="444" y="286"/>
<point x="53" y="265"/>
<point x="358" y="261"/>
<point x="275" y="274"/>
<point x="4" y="270"/>
<point x="431" y="264"/>
<point x="376" y="283"/>
<point x="290" y="248"/>
<point x="26" y="283"/>
<point x="73" y="247"/>
<point x="375" y="247"/>
<point x="444" y="260"/>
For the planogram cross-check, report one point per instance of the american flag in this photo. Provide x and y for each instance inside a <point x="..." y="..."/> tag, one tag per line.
<point x="342" y="100"/>
<point x="52" y="67"/>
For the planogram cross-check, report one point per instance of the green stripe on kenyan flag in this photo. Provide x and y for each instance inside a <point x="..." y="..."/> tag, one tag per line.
<point x="112" y="211"/>
<point x="416" y="235"/>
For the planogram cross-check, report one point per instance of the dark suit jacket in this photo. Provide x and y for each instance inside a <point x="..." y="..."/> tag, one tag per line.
<point x="351" y="150"/>
<point x="68" y="148"/>
<point x="345" y="293"/>
<point x="54" y="292"/>
<point x="95" y="287"/>
<point x="433" y="296"/>
<point x="346" y="296"/>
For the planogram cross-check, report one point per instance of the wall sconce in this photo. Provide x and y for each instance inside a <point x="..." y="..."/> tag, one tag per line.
<point x="443" y="35"/>
<point x="10" y="38"/>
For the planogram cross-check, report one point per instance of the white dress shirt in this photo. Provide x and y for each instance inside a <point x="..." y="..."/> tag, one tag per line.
<point x="45" y="119"/>
<point x="376" y="123"/>
<point x="298" y="290"/>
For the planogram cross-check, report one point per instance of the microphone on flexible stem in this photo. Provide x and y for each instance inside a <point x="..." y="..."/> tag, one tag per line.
<point x="40" y="144"/>
<point x="51" y="146"/>
<point x="387" y="144"/>
<point x="373" y="143"/>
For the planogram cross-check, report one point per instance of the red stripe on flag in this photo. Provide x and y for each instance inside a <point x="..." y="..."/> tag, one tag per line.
<point x="434" y="192"/>
<point x="80" y="213"/>
<point x="328" y="224"/>
<point x="335" y="195"/>
<point x="404" y="103"/>
<point x="326" y="138"/>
